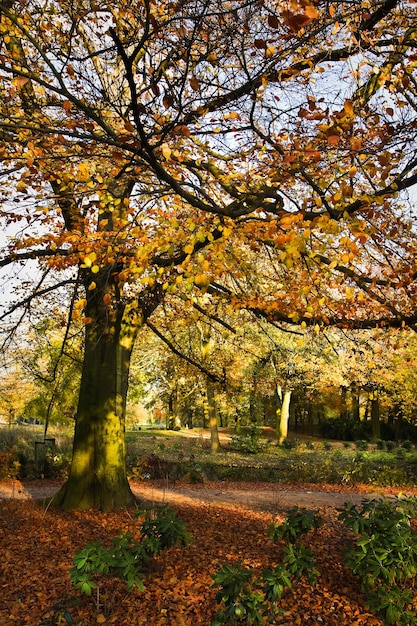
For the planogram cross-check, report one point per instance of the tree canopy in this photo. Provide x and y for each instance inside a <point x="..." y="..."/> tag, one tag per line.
<point x="165" y="145"/>
<point x="259" y="152"/>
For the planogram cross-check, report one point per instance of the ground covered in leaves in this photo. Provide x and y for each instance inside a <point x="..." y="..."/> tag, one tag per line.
<point x="37" y="546"/>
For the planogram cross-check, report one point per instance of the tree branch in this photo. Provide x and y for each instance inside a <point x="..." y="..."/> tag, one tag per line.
<point x="213" y="377"/>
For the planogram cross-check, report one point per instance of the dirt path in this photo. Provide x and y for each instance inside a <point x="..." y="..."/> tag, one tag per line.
<point x="253" y="496"/>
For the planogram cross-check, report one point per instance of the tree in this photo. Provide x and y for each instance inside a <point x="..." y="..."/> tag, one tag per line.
<point x="154" y="148"/>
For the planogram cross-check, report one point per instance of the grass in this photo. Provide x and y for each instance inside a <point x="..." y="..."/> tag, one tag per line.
<point x="155" y="455"/>
<point x="186" y="455"/>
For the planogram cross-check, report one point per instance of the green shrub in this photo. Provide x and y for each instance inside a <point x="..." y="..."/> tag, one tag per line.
<point x="9" y="463"/>
<point x="362" y="444"/>
<point x="247" y="440"/>
<point x="291" y="444"/>
<point x="241" y="602"/>
<point x="384" y="555"/>
<point x="162" y="525"/>
<point x="299" y="521"/>
<point x="127" y="557"/>
<point x="299" y="560"/>
<point x="245" y="601"/>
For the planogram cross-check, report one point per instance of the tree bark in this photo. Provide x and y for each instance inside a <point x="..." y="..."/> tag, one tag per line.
<point x="284" y="415"/>
<point x="376" y="425"/>
<point x="97" y="477"/>
<point x="212" y="418"/>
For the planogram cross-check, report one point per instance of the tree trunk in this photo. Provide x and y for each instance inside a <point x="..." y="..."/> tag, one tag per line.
<point x="376" y="425"/>
<point x="212" y="418"/>
<point x="356" y="405"/>
<point x="285" y="415"/>
<point x="97" y="477"/>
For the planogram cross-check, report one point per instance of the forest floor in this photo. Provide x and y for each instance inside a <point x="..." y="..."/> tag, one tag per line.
<point x="229" y="524"/>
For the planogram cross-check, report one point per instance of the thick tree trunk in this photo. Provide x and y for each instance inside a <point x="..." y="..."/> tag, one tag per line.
<point x="97" y="477"/>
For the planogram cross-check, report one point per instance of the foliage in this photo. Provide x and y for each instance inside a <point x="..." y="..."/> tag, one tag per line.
<point x="299" y="560"/>
<point x="127" y="557"/>
<point x="242" y="604"/>
<point x="298" y="522"/>
<point x="124" y="558"/>
<point x="114" y="128"/>
<point x="17" y="449"/>
<point x="248" y="439"/>
<point x="384" y="555"/>
<point x="9" y="464"/>
<point x="251" y="602"/>
<point x="163" y="526"/>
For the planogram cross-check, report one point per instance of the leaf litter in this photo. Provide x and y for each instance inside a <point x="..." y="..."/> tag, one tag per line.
<point x="37" y="546"/>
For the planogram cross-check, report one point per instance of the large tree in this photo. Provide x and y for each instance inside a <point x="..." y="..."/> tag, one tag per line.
<point x="250" y="150"/>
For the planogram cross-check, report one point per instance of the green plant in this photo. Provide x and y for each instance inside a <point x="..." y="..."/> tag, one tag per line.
<point x="252" y="602"/>
<point x="361" y="444"/>
<point x="248" y="440"/>
<point x="298" y="522"/>
<point x="126" y="557"/>
<point x="395" y="604"/>
<point x="275" y="582"/>
<point x="242" y="604"/>
<point x="161" y="524"/>
<point x="291" y="444"/>
<point x="407" y="444"/>
<point x="299" y="560"/>
<point x="384" y="556"/>
<point x="327" y="445"/>
<point x="123" y="559"/>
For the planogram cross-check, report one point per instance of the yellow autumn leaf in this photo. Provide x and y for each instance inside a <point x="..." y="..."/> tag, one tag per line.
<point x="80" y="304"/>
<point x="95" y="269"/>
<point x="202" y="280"/>
<point x="166" y="151"/>
<point x="83" y="172"/>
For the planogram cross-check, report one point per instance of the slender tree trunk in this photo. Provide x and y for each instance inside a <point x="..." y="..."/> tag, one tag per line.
<point x="212" y="417"/>
<point x="278" y="397"/>
<point x="376" y="425"/>
<point x="356" y="405"/>
<point x="97" y="477"/>
<point x="285" y="415"/>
